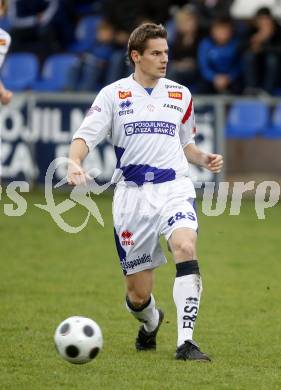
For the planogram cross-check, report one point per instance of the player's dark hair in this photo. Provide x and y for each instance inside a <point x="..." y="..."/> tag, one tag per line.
<point x="139" y="37"/>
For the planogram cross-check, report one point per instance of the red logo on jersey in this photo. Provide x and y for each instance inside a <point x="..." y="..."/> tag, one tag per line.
<point x="126" y="236"/>
<point x="124" y="94"/>
<point x="175" y="95"/>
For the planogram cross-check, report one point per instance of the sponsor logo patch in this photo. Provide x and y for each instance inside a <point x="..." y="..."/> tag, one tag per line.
<point x="145" y="258"/>
<point x="125" y="107"/>
<point x="124" y="94"/>
<point x="181" y="215"/>
<point x="126" y="104"/>
<point x="150" y="127"/>
<point x="172" y="106"/>
<point x="126" y="112"/>
<point x="150" y="107"/>
<point x="92" y="109"/>
<point x="126" y="238"/>
<point x="175" y="95"/>
<point x="3" y="42"/>
<point x="173" y="86"/>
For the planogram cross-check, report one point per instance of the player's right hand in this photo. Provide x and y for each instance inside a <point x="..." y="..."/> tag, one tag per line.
<point x="6" y="96"/>
<point x="76" y="175"/>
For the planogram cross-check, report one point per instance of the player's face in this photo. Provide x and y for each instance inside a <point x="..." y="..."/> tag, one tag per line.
<point x="153" y="62"/>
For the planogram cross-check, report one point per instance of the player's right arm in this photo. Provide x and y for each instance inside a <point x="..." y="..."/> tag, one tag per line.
<point x="77" y="153"/>
<point x="5" y="94"/>
<point x="94" y="128"/>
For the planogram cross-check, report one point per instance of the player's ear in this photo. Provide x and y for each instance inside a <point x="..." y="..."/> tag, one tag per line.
<point x="135" y="56"/>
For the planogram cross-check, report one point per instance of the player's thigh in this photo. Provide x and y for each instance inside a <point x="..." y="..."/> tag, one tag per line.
<point x="180" y="225"/>
<point x="139" y="285"/>
<point x="182" y="244"/>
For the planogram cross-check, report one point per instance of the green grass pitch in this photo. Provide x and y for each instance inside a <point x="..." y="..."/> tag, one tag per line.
<point x="47" y="275"/>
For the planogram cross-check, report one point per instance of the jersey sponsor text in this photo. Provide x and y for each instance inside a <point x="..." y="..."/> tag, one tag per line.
<point x="150" y="127"/>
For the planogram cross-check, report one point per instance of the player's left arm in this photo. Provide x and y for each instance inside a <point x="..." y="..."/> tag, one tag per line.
<point x="213" y="162"/>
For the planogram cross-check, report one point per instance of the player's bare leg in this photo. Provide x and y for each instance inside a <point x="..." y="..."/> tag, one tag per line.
<point x="139" y="287"/>
<point x="187" y="291"/>
<point x="140" y="302"/>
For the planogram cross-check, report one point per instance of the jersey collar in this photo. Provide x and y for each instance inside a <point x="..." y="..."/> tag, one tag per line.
<point x="142" y="89"/>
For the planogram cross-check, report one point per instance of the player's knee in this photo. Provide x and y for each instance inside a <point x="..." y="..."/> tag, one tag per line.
<point x="138" y="299"/>
<point x="185" y="250"/>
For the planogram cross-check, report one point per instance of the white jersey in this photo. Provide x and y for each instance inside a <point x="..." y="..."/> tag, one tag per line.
<point x="148" y="131"/>
<point x="5" y="41"/>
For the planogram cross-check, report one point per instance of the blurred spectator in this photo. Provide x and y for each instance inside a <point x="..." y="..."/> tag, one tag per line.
<point x="219" y="59"/>
<point x="211" y="9"/>
<point x="183" y="67"/>
<point x="90" y="74"/>
<point x="40" y="26"/>
<point x="118" y="66"/>
<point x="126" y="15"/>
<point x="123" y="14"/>
<point x="262" y="58"/>
<point x="86" y="7"/>
<point x="247" y="9"/>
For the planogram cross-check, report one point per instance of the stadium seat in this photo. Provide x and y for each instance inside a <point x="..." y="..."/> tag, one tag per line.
<point x="274" y="130"/>
<point x="85" y="34"/>
<point x="246" y="119"/>
<point x="54" y="72"/>
<point x="20" y="70"/>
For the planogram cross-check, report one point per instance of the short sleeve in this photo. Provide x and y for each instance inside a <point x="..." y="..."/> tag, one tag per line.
<point x="5" y="41"/>
<point x="188" y="126"/>
<point x="98" y="121"/>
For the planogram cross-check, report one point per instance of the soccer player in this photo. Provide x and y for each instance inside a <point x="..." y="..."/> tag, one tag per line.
<point x="151" y="123"/>
<point x="5" y="40"/>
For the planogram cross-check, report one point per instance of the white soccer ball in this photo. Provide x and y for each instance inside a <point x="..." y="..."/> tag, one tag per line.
<point x="78" y="339"/>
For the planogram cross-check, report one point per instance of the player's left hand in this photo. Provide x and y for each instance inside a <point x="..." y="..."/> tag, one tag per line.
<point x="214" y="162"/>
